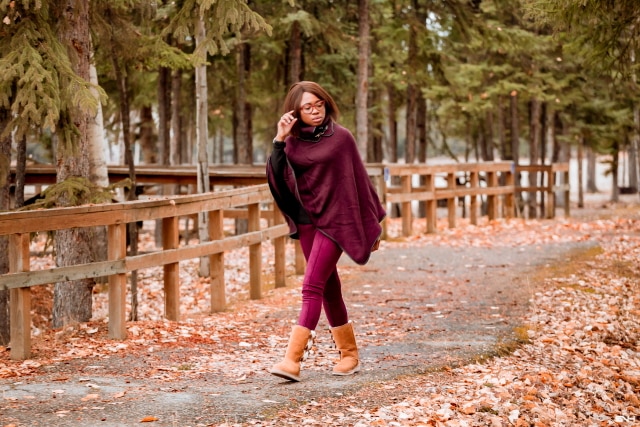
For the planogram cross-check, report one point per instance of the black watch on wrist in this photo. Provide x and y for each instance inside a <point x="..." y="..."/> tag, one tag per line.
<point x="275" y="141"/>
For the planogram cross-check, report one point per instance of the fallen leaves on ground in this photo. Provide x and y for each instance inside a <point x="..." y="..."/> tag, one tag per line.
<point x="580" y="364"/>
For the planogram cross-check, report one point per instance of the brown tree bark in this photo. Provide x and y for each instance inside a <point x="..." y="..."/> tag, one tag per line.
<point x="148" y="142"/>
<point x="515" y="129"/>
<point x="243" y="144"/>
<point x="72" y="299"/>
<point x="392" y="145"/>
<point x="534" y="152"/>
<point x="164" y="114"/>
<point x="21" y="171"/>
<point x="486" y="147"/>
<point x="375" y="152"/>
<point x="295" y="54"/>
<point x="5" y="159"/>
<point x="515" y="144"/>
<point x="364" y="52"/>
<point x="503" y="141"/>
<point x="176" y="119"/>
<point x="591" y="171"/>
<point x="615" y="173"/>
<point x="125" y="112"/>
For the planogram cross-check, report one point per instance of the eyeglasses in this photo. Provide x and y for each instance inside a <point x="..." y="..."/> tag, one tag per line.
<point x="308" y="108"/>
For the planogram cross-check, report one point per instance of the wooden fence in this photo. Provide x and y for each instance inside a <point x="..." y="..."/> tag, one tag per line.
<point x="19" y="225"/>
<point x="417" y="183"/>
<point x="495" y="181"/>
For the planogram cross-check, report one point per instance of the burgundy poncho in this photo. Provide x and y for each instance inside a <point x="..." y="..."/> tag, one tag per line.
<point x="331" y="183"/>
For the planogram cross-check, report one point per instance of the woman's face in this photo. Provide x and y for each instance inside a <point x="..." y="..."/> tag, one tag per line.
<point x="312" y="109"/>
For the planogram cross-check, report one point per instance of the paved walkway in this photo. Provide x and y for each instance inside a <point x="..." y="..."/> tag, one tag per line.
<point x="415" y="310"/>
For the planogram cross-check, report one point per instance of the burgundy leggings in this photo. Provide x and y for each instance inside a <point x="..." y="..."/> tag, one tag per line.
<point x="321" y="285"/>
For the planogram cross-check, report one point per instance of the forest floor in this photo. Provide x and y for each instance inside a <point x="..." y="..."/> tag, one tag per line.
<point x="508" y="323"/>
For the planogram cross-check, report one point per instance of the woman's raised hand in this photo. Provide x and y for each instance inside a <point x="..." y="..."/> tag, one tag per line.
<point x="285" y="124"/>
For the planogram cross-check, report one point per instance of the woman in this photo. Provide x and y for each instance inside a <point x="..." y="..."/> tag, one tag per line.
<point x="322" y="187"/>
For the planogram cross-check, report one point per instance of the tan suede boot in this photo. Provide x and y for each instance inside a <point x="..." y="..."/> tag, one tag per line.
<point x="345" y="340"/>
<point x="300" y="344"/>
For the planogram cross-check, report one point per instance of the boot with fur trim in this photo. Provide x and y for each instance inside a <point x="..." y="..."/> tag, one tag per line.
<point x="299" y="348"/>
<point x="345" y="340"/>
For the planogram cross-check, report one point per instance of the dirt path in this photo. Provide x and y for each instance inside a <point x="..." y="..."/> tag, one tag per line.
<point x="416" y="309"/>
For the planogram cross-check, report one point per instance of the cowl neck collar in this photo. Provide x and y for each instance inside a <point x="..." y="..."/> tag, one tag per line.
<point x="314" y="133"/>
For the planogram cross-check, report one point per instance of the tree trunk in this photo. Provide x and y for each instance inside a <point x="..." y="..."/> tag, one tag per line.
<point x="99" y="173"/>
<point x="242" y="141"/>
<point x="615" y="163"/>
<point x="243" y="145"/>
<point x="72" y="299"/>
<point x="376" y="130"/>
<point x="591" y="171"/>
<point x="362" y="124"/>
<point x="412" y="88"/>
<point x="176" y="119"/>
<point x="515" y="144"/>
<point x="164" y="114"/>
<point x="487" y="137"/>
<point x="5" y="160"/>
<point x="534" y="153"/>
<point x="295" y="54"/>
<point x="21" y="171"/>
<point x="421" y="129"/>
<point x="392" y="145"/>
<point x="561" y="152"/>
<point x="634" y="157"/>
<point x="544" y="133"/>
<point x="202" y="137"/>
<point x="148" y="144"/>
<point x="188" y="121"/>
<point x="421" y="135"/>
<point x="515" y="129"/>
<point x="164" y="133"/>
<point x="505" y="148"/>
<point x="125" y="113"/>
<point x="580" y="174"/>
<point x="410" y="142"/>
<point x="98" y="153"/>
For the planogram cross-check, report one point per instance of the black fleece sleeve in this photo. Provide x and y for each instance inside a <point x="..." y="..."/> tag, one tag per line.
<point x="278" y="159"/>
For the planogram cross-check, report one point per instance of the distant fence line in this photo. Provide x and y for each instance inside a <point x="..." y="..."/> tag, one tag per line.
<point x="252" y="201"/>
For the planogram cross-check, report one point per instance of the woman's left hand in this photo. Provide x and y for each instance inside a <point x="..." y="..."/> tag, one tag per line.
<point x="285" y="124"/>
<point x="376" y="246"/>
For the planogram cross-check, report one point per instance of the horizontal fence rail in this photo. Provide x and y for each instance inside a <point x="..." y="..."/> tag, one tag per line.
<point x="397" y="184"/>
<point x="18" y="225"/>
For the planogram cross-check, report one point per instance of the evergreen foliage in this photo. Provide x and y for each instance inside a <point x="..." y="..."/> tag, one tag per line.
<point x="468" y="59"/>
<point x="76" y="191"/>
<point x="37" y="82"/>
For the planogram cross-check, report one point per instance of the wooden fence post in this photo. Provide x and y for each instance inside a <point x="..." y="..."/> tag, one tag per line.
<point x="492" y="200"/>
<point x="551" y="199"/>
<point x="432" y="203"/>
<point x="280" y="264"/>
<point x="217" y="291"/>
<point x="255" y="254"/>
<point x="451" y="202"/>
<point x="171" y="240"/>
<point x="510" y="198"/>
<point x="19" y="299"/>
<point x="407" y="215"/>
<point x="473" y="204"/>
<point x="117" y="249"/>
<point x="381" y="187"/>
